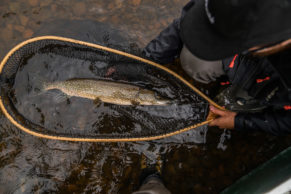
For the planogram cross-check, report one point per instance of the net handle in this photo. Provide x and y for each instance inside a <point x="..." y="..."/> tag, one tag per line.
<point x="210" y="116"/>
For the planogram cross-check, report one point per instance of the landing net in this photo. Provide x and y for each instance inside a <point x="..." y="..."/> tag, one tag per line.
<point x="50" y="59"/>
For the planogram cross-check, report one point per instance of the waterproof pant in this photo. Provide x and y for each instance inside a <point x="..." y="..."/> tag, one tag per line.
<point x="200" y="70"/>
<point x="153" y="186"/>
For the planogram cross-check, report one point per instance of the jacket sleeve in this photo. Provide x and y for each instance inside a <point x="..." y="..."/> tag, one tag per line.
<point x="277" y="123"/>
<point x="168" y="44"/>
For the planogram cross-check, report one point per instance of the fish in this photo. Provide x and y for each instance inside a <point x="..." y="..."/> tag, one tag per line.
<point x="107" y="91"/>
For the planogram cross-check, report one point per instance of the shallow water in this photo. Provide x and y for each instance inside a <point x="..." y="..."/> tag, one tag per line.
<point x="201" y="161"/>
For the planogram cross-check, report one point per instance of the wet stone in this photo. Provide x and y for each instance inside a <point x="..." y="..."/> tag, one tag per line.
<point x="115" y="19"/>
<point x="9" y="26"/>
<point x="23" y="20"/>
<point x="111" y="6"/>
<point x="27" y="33"/>
<point x="36" y="11"/>
<point x="135" y="2"/>
<point x="33" y="2"/>
<point x="54" y="8"/>
<point x="6" y="34"/>
<point x="157" y="25"/>
<point x="45" y="3"/>
<point x="8" y="14"/>
<point x="14" y="6"/>
<point x="19" y="28"/>
<point x="102" y="19"/>
<point x="32" y="24"/>
<point x="118" y="4"/>
<point x="44" y="15"/>
<point x="79" y="8"/>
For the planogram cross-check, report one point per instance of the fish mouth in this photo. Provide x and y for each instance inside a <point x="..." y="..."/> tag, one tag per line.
<point x="164" y="102"/>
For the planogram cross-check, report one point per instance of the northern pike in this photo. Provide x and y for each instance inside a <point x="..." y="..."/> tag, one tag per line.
<point x="107" y="91"/>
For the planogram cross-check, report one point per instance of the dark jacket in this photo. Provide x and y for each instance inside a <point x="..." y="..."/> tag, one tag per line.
<point x="260" y="77"/>
<point x="168" y="45"/>
<point x="264" y="81"/>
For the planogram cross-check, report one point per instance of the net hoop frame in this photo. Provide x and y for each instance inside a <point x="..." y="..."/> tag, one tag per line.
<point x="210" y="116"/>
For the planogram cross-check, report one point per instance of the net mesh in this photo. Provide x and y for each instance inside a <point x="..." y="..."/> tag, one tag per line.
<point x="52" y="60"/>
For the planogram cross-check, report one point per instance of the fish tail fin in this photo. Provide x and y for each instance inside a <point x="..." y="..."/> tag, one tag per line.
<point x="40" y="85"/>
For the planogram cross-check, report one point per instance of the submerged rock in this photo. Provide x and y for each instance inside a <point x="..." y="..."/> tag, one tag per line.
<point x="6" y="34"/>
<point x="19" y="28"/>
<point x="45" y="3"/>
<point x="79" y="8"/>
<point x="135" y="2"/>
<point x="23" y="20"/>
<point x="27" y="33"/>
<point x="14" y="6"/>
<point x="33" y="2"/>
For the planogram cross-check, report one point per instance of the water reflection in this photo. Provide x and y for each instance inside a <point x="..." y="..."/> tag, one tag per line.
<point x="29" y="164"/>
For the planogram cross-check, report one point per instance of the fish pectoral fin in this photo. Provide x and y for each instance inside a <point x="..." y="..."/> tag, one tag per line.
<point x="135" y="103"/>
<point x="138" y="92"/>
<point x="97" y="101"/>
<point x="60" y="97"/>
<point x="46" y="93"/>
